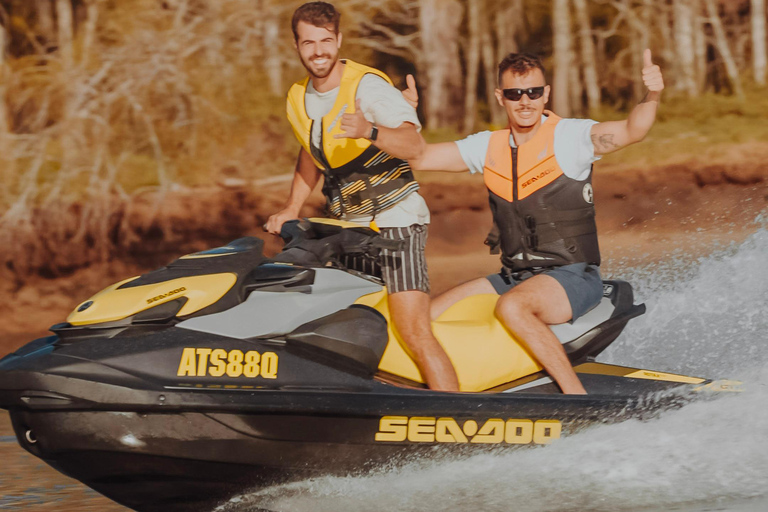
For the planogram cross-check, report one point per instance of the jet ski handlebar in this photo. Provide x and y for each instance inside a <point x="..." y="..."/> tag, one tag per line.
<point x="323" y="241"/>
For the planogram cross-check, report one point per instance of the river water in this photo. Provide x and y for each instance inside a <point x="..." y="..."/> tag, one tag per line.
<point x="706" y="316"/>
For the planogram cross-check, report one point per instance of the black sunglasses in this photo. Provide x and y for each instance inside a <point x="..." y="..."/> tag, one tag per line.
<point x="533" y="93"/>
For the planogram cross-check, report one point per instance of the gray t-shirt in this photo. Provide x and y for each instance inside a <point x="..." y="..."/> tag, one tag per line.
<point x="384" y="105"/>
<point x="574" y="150"/>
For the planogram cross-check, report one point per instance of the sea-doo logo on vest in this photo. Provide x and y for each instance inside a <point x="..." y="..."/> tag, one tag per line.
<point x="167" y="294"/>
<point x="541" y="175"/>
<point x="336" y="119"/>
<point x="587" y="193"/>
<point x="206" y="362"/>
<point x="448" y="430"/>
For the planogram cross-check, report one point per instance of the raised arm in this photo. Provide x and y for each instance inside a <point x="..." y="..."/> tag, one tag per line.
<point x="612" y="135"/>
<point x="305" y="178"/>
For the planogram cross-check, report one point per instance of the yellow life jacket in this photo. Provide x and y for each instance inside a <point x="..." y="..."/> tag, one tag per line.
<point x="359" y="177"/>
<point x="542" y="218"/>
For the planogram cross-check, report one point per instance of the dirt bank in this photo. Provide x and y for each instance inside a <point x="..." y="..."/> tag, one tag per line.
<point x="644" y="215"/>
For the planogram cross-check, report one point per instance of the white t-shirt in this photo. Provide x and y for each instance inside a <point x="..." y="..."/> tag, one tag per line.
<point x="384" y="105"/>
<point x="574" y="150"/>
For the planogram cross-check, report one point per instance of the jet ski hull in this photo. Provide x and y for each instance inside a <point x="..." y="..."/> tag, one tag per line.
<point x="179" y="450"/>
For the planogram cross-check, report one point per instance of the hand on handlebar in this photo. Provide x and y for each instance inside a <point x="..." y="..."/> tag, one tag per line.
<point x="276" y="221"/>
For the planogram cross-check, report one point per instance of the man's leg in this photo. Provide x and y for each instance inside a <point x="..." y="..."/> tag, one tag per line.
<point x="407" y="278"/>
<point x="410" y="313"/>
<point x="445" y="300"/>
<point x="527" y="310"/>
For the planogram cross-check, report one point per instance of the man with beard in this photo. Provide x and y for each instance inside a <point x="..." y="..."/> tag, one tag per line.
<point x="538" y="173"/>
<point x="357" y="131"/>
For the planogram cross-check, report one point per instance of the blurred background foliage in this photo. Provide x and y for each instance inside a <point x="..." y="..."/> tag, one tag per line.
<point x="104" y="100"/>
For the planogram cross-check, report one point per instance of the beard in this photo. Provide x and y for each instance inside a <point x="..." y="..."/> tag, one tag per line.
<point x="323" y="70"/>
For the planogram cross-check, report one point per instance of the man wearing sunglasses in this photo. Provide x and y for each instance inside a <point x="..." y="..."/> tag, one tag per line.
<point x="538" y="173"/>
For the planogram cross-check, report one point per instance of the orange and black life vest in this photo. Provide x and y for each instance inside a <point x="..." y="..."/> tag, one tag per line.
<point x="360" y="178"/>
<point x="542" y="218"/>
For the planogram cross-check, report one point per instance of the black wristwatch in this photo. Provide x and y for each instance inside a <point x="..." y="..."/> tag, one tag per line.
<point x="374" y="132"/>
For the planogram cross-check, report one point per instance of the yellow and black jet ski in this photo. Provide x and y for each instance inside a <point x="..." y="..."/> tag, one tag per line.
<point x="226" y="370"/>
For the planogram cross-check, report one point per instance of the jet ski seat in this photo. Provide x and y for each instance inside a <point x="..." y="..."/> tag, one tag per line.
<point x="484" y="353"/>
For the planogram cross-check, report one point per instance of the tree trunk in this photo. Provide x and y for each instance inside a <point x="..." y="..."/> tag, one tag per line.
<point x="561" y="39"/>
<point x="683" y="12"/>
<point x="723" y="48"/>
<point x="759" y="59"/>
<point x="439" y="22"/>
<point x="273" y="62"/>
<point x="474" y="12"/>
<point x="507" y="22"/>
<point x="64" y="21"/>
<point x="639" y="41"/>
<point x="3" y="108"/>
<point x="46" y="27"/>
<point x="588" y="60"/>
<point x="665" y="20"/>
<point x="490" y="69"/>
<point x="700" y="50"/>
<point x="91" y="24"/>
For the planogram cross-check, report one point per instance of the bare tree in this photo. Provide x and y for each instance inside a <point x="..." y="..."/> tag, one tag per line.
<point x="91" y="25"/>
<point x="490" y="67"/>
<point x="684" y="46"/>
<point x="45" y="23"/>
<point x="508" y="27"/>
<point x="700" y="50"/>
<point x="507" y="17"/>
<point x="474" y="13"/>
<point x="3" y="110"/>
<point x="588" y="60"/>
<point x="64" y="22"/>
<point x="723" y="48"/>
<point x="759" y="59"/>
<point x="561" y="39"/>
<point x="273" y="61"/>
<point x="439" y="21"/>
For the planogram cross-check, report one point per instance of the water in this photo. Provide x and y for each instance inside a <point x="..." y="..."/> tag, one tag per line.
<point x="707" y="317"/>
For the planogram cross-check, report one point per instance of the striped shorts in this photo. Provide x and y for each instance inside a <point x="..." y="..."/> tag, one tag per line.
<point x="401" y="271"/>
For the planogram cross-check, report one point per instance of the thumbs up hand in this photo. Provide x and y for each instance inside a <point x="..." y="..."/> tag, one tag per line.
<point x="354" y="125"/>
<point x="410" y="94"/>
<point x="652" y="77"/>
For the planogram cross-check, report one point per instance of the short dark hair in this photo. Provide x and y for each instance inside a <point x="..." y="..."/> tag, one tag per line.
<point x="319" y="14"/>
<point x="520" y="64"/>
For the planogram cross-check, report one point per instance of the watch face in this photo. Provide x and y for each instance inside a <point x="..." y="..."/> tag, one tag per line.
<point x="374" y="132"/>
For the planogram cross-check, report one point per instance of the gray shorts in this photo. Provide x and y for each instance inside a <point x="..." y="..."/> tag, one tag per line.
<point x="582" y="284"/>
<point x="401" y="271"/>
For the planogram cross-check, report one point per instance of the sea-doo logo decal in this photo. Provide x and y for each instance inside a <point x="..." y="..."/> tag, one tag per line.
<point x="167" y="294"/>
<point x="541" y="175"/>
<point x="447" y="430"/>
<point x="206" y="362"/>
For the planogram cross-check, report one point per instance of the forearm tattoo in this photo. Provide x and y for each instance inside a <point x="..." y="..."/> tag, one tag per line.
<point x="604" y="142"/>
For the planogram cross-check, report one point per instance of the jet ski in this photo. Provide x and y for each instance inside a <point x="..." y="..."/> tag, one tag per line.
<point x="226" y="371"/>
